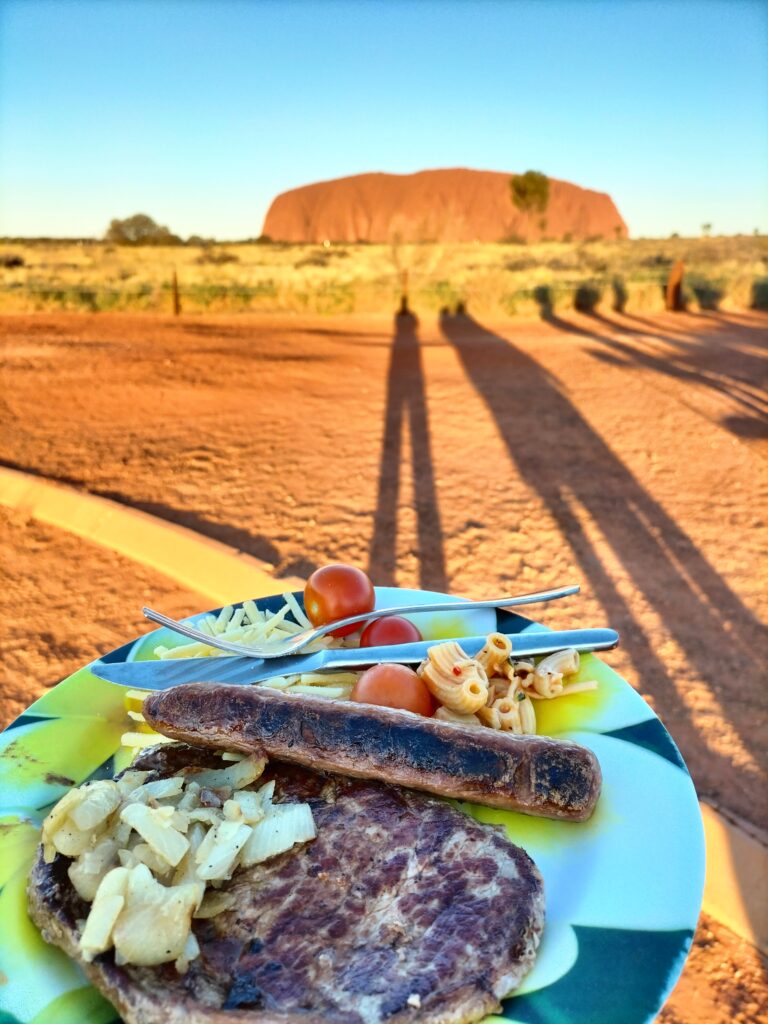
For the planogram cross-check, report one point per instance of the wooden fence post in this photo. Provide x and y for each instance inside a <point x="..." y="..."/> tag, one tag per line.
<point x="175" y="290"/>
<point x="404" y="309"/>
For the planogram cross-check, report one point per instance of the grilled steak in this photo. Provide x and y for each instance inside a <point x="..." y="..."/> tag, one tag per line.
<point x="403" y="909"/>
<point x="534" y="774"/>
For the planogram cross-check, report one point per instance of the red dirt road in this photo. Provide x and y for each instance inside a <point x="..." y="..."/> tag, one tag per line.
<point x="626" y="454"/>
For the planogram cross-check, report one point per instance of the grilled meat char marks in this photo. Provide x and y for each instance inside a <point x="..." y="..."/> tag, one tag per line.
<point x="402" y="909"/>
<point x="534" y="774"/>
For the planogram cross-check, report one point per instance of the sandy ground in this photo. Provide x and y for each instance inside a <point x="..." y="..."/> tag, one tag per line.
<point x="624" y="454"/>
<point x="64" y="603"/>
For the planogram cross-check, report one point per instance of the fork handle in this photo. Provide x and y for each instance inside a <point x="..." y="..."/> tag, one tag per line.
<point x="441" y="606"/>
<point x="452" y="606"/>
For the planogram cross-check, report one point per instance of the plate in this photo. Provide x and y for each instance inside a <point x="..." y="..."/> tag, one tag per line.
<point x="623" y="889"/>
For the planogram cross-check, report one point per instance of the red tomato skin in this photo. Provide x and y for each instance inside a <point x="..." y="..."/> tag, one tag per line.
<point x="394" y="686"/>
<point x="391" y="630"/>
<point x="336" y="592"/>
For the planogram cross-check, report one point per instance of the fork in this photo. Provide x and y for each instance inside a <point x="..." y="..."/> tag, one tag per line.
<point x="300" y="640"/>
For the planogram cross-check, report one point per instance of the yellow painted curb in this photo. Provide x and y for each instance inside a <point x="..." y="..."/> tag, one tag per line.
<point x="736" y="886"/>
<point x="220" y="572"/>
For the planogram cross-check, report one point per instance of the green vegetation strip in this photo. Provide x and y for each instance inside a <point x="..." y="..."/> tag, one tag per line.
<point x="512" y="279"/>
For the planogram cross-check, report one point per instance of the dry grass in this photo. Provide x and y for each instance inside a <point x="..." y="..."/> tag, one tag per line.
<point x="728" y="273"/>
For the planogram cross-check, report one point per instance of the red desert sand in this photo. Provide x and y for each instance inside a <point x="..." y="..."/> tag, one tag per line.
<point x="627" y="454"/>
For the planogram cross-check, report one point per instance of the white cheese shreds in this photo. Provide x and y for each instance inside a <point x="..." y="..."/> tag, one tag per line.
<point x="143" y="739"/>
<point x="332" y="692"/>
<point x="279" y="682"/>
<point x="224" y="616"/>
<point x="297" y="611"/>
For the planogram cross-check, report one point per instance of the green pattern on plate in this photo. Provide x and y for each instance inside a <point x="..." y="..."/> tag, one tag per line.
<point x="623" y="889"/>
<point x="614" y="970"/>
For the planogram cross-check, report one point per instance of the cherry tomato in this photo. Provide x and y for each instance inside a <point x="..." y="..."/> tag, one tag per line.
<point x="336" y="592"/>
<point x="393" y="686"/>
<point x="391" y="630"/>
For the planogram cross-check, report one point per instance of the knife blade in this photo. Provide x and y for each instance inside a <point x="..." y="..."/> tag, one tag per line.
<point x="241" y="671"/>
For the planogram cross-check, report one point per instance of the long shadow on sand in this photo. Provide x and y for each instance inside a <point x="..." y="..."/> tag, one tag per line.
<point x="569" y="466"/>
<point x="720" y="363"/>
<point x="406" y="402"/>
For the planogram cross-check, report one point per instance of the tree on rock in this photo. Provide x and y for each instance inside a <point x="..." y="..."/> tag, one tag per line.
<point x="530" y="191"/>
<point x="140" y="229"/>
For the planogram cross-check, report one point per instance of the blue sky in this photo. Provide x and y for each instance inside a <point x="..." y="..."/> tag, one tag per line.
<point x="200" y="112"/>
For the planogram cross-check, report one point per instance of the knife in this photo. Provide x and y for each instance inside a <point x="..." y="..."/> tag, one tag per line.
<point x="240" y="671"/>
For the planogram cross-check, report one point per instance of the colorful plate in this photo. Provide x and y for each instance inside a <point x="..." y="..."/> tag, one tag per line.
<point x="623" y="889"/>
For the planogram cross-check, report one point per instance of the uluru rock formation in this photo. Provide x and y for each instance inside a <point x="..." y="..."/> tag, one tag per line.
<point x="457" y="205"/>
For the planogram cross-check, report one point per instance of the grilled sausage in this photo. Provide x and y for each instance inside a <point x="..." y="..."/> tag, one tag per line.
<point x="533" y="774"/>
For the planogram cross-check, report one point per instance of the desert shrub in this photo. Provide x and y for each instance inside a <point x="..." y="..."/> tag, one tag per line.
<point x="521" y="263"/>
<point x="317" y="259"/>
<point x="225" y="296"/>
<point x="514" y="240"/>
<point x="216" y="256"/>
<point x="708" y="294"/>
<point x="9" y="260"/>
<point x="560" y="264"/>
<point x="542" y="295"/>
<point x="140" y="229"/>
<point x="543" y="300"/>
<point x="620" y="295"/>
<point x="592" y="264"/>
<point x="760" y="293"/>
<point x="439" y="295"/>
<point x="334" y="298"/>
<point x="586" y="297"/>
<point x="660" y="259"/>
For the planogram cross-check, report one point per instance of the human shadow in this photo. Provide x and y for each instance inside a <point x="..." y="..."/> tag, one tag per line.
<point x="581" y="480"/>
<point x="722" y="366"/>
<point x="407" y="405"/>
<point x="719" y="364"/>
